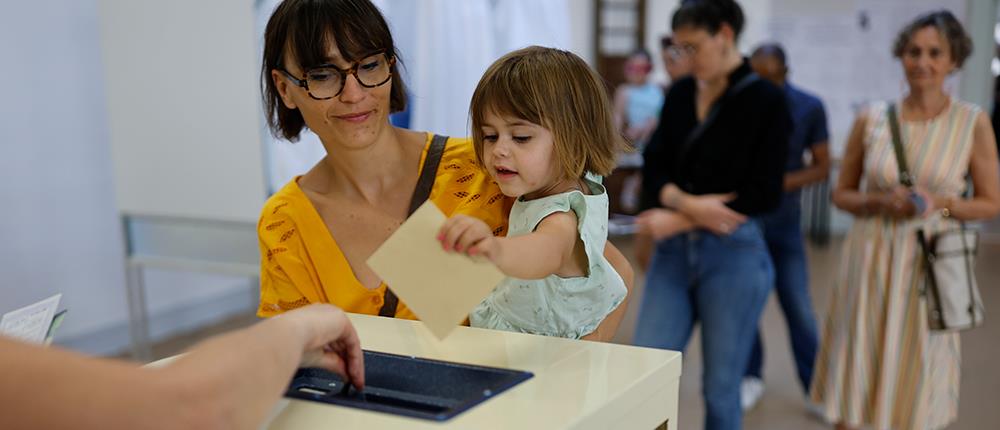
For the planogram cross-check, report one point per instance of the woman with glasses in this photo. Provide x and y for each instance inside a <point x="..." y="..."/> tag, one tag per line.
<point x="331" y="66"/>
<point x="715" y="161"/>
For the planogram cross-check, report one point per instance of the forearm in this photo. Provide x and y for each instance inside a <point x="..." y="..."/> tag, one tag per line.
<point x="976" y="208"/>
<point x="673" y="197"/>
<point x="807" y="176"/>
<point x="236" y="378"/>
<point x="859" y="203"/>
<point x="53" y="388"/>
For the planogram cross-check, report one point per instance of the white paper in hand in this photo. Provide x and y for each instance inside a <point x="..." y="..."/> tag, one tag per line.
<point x="441" y="288"/>
<point x="31" y="322"/>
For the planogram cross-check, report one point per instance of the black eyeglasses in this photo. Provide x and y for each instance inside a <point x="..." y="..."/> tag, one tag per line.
<point x="326" y="81"/>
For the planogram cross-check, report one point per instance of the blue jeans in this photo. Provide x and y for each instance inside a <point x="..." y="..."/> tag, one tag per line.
<point x="722" y="282"/>
<point x="783" y="234"/>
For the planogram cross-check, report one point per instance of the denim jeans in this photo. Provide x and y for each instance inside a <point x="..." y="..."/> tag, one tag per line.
<point x="721" y="282"/>
<point x="783" y="234"/>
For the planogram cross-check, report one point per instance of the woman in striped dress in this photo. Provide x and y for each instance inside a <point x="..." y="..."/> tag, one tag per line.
<point x="879" y="366"/>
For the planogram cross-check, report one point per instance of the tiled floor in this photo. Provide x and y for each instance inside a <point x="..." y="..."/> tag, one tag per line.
<point x="782" y="406"/>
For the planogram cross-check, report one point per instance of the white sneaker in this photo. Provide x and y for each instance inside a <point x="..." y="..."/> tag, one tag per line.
<point x="751" y="390"/>
<point x="816" y="411"/>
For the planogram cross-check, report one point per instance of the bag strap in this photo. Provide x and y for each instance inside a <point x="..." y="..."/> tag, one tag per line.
<point x="897" y="143"/>
<point x="907" y="180"/>
<point x="713" y="112"/>
<point x="420" y="194"/>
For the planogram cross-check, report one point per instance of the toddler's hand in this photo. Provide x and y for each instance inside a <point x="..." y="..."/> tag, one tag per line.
<point x="468" y="235"/>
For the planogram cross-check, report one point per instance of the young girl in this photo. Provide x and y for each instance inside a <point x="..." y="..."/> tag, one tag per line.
<point x="542" y="128"/>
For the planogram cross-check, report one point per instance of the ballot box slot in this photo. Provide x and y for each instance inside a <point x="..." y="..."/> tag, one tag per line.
<point x="408" y="386"/>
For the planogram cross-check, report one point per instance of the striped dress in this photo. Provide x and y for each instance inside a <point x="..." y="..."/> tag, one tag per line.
<point x="878" y="364"/>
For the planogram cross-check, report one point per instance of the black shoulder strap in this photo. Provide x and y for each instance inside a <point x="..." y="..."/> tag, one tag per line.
<point x="897" y="143"/>
<point x="423" y="190"/>
<point x="713" y="113"/>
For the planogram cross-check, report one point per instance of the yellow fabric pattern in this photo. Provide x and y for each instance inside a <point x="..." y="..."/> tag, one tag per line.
<point x="301" y="262"/>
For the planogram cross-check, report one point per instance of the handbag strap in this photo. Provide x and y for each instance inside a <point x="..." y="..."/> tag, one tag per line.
<point x="907" y="180"/>
<point x="713" y="112"/>
<point x="420" y="194"/>
<point x="897" y="143"/>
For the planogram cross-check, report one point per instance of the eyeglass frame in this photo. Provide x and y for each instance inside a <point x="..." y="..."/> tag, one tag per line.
<point x="344" y="73"/>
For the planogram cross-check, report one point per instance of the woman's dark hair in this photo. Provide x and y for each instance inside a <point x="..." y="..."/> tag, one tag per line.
<point x="307" y="28"/>
<point x="959" y="42"/>
<point x="709" y="15"/>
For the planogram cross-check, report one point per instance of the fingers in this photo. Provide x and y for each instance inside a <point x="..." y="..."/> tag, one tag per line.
<point x="334" y="363"/>
<point x="332" y="343"/>
<point x="721" y="229"/>
<point x="725" y="198"/>
<point x="460" y="233"/>
<point x="355" y="358"/>
<point x="471" y="237"/>
<point x="451" y="231"/>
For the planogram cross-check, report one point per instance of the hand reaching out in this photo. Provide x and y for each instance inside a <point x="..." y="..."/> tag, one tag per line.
<point x="330" y="341"/>
<point x="468" y="235"/>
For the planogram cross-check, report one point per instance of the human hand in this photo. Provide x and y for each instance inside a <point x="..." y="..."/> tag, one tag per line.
<point x="901" y="203"/>
<point x="710" y="212"/>
<point x="465" y="234"/>
<point x="660" y="224"/>
<point x="329" y="341"/>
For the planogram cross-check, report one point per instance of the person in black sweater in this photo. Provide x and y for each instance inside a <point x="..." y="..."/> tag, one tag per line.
<point x="715" y="162"/>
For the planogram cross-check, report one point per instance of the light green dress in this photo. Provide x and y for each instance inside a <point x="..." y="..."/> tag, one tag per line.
<point x="555" y="306"/>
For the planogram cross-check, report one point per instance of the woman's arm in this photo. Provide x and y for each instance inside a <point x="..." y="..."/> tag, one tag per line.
<point x="983" y="169"/>
<point x="817" y="171"/>
<point x="847" y="195"/>
<point x="706" y="211"/>
<point x="230" y="381"/>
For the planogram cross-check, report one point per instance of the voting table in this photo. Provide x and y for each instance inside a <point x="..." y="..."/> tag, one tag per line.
<point x="575" y="384"/>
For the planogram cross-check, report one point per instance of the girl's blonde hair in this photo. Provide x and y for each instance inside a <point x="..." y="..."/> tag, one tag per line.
<point x="556" y="90"/>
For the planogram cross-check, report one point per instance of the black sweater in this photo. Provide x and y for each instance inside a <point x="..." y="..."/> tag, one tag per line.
<point x="743" y="150"/>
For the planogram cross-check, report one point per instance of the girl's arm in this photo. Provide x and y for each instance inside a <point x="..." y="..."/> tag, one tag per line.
<point x="536" y="255"/>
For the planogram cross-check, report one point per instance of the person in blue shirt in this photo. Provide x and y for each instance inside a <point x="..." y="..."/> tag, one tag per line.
<point x="782" y="228"/>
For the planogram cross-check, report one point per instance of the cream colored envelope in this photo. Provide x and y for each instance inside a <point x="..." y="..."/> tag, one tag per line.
<point x="440" y="287"/>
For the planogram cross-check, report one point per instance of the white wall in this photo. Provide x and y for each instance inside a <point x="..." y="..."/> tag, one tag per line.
<point x="59" y="225"/>
<point x="581" y="28"/>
